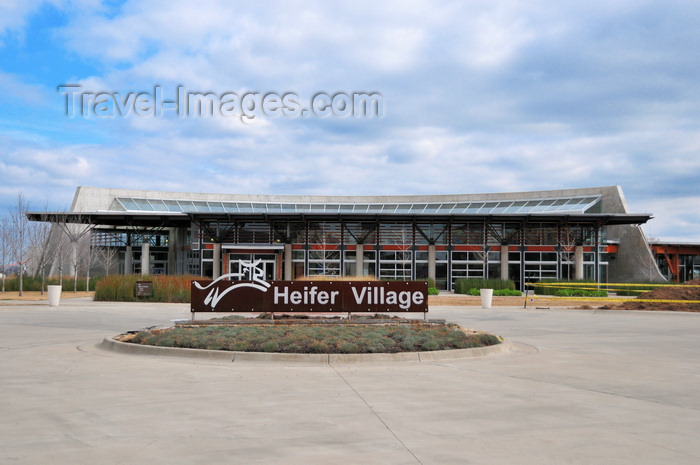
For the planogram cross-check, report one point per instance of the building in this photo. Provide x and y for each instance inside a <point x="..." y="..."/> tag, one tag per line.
<point x="678" y="262"/>
<point x="563" y="234"/>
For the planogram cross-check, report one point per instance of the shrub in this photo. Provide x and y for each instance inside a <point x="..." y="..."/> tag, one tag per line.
<point x="33" y="283"/>
<point x="542" y="288"/>
<point x="496" y="292"/>
<point x="348" y="348"/>
<point x="433" y="291"/>
<point x="240" y="346"/>
<point x="431" y="345"/>
<point x="507" y="293"/>
<point x="303" y="339"/>
<point x="577" y="292"/>
<point x="318" y="347"/>
<point x="270" y="346"/>
<point x="463" y="285"/>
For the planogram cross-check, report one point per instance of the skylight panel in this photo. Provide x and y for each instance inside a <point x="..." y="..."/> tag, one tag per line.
<point x="217" y="207"/>
<point x="460" y="208"/>
<point x="501" y="207"/>
<point x="128" y="204"/>
<point x="172" y="206"/>
<point x="474" y="207"/>
<point x="201" y="206"/>
<point x="229" y="207"/>
<point x="143" y="205"/>
<point x="488" y="207"/>
<point x="187" y="206"/>
<point x="157" y="205"/>
<point x="245" y="207"/>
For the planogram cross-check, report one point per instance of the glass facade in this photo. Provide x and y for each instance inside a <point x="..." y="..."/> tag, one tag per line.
<point x="394" y="248"/>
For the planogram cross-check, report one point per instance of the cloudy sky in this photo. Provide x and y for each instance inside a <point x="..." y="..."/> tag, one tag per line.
<point x="477" y="96"/>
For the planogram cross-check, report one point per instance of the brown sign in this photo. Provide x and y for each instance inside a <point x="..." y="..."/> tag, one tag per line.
<point x="309" y="296"/>
<point x="143" y="289"/>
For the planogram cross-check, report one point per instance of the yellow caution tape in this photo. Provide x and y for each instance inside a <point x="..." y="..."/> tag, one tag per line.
<point x="609" y="299"/>
<point x="607" y="285"/>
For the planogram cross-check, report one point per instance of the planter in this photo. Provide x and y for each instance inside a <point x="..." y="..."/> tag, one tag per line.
<point x="486" y="297"/>
<point x="54" y="295"/>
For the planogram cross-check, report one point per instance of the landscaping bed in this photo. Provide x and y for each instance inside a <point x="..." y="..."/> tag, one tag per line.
<point x="315" y="337"/>
<point x="675" y="293"/>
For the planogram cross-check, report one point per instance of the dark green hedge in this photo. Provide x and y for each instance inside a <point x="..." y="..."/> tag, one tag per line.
<point x="464" y="285"/>
<point x="31" y="283"/>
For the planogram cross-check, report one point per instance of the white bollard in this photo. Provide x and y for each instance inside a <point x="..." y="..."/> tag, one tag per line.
<point x="486" y="297"/>
<point x="54" y="295"/>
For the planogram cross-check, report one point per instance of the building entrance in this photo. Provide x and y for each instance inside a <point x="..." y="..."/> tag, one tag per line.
<point x="268" y="262"/>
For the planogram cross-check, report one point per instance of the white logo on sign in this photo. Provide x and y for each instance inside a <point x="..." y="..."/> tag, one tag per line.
<point x="250" y="271"/>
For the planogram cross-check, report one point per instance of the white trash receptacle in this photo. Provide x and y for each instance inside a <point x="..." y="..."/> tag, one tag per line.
<point x="54" y="295"/>
<point x="486" y="297"/>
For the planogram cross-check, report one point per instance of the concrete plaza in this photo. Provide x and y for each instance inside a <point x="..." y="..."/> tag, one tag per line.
<point x="582" y="387"/>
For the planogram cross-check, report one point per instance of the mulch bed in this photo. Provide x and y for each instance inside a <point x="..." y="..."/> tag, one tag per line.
<point x="664" y="293"/>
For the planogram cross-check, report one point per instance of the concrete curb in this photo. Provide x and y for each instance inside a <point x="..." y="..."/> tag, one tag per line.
<point x="315" y="359"/>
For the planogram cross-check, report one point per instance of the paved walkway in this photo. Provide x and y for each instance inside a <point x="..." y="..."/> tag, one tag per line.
<point x="585" y="388"/>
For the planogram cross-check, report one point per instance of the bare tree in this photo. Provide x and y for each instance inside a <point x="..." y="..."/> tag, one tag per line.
<point x="105" y="256"/>
<point x="329" y="259"/>
<point x="19" y="236"/>
<point x="40" y="255"/>
<point x="4" y="248"/>
<point x="88" y="256"/>
<point x="60" y="252"/>
<point x="74" y="230"/>
<point x="105" y="247"/>
<point x="569" y="238"/>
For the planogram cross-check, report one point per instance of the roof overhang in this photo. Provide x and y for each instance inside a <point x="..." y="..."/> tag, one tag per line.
<point x="164" y="220"/>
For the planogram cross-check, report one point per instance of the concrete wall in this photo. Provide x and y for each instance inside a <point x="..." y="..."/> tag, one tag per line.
<point x="634" y="260"/>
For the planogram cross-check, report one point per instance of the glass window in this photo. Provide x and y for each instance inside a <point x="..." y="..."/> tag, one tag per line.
<point x="421" y="256"/>
<point x="395" y="264"/>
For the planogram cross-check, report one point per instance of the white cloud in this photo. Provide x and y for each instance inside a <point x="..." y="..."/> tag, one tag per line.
<point x="479" y="96"/>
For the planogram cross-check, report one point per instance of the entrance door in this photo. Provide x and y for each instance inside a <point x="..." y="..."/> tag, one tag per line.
<point x="268" y="263"/>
